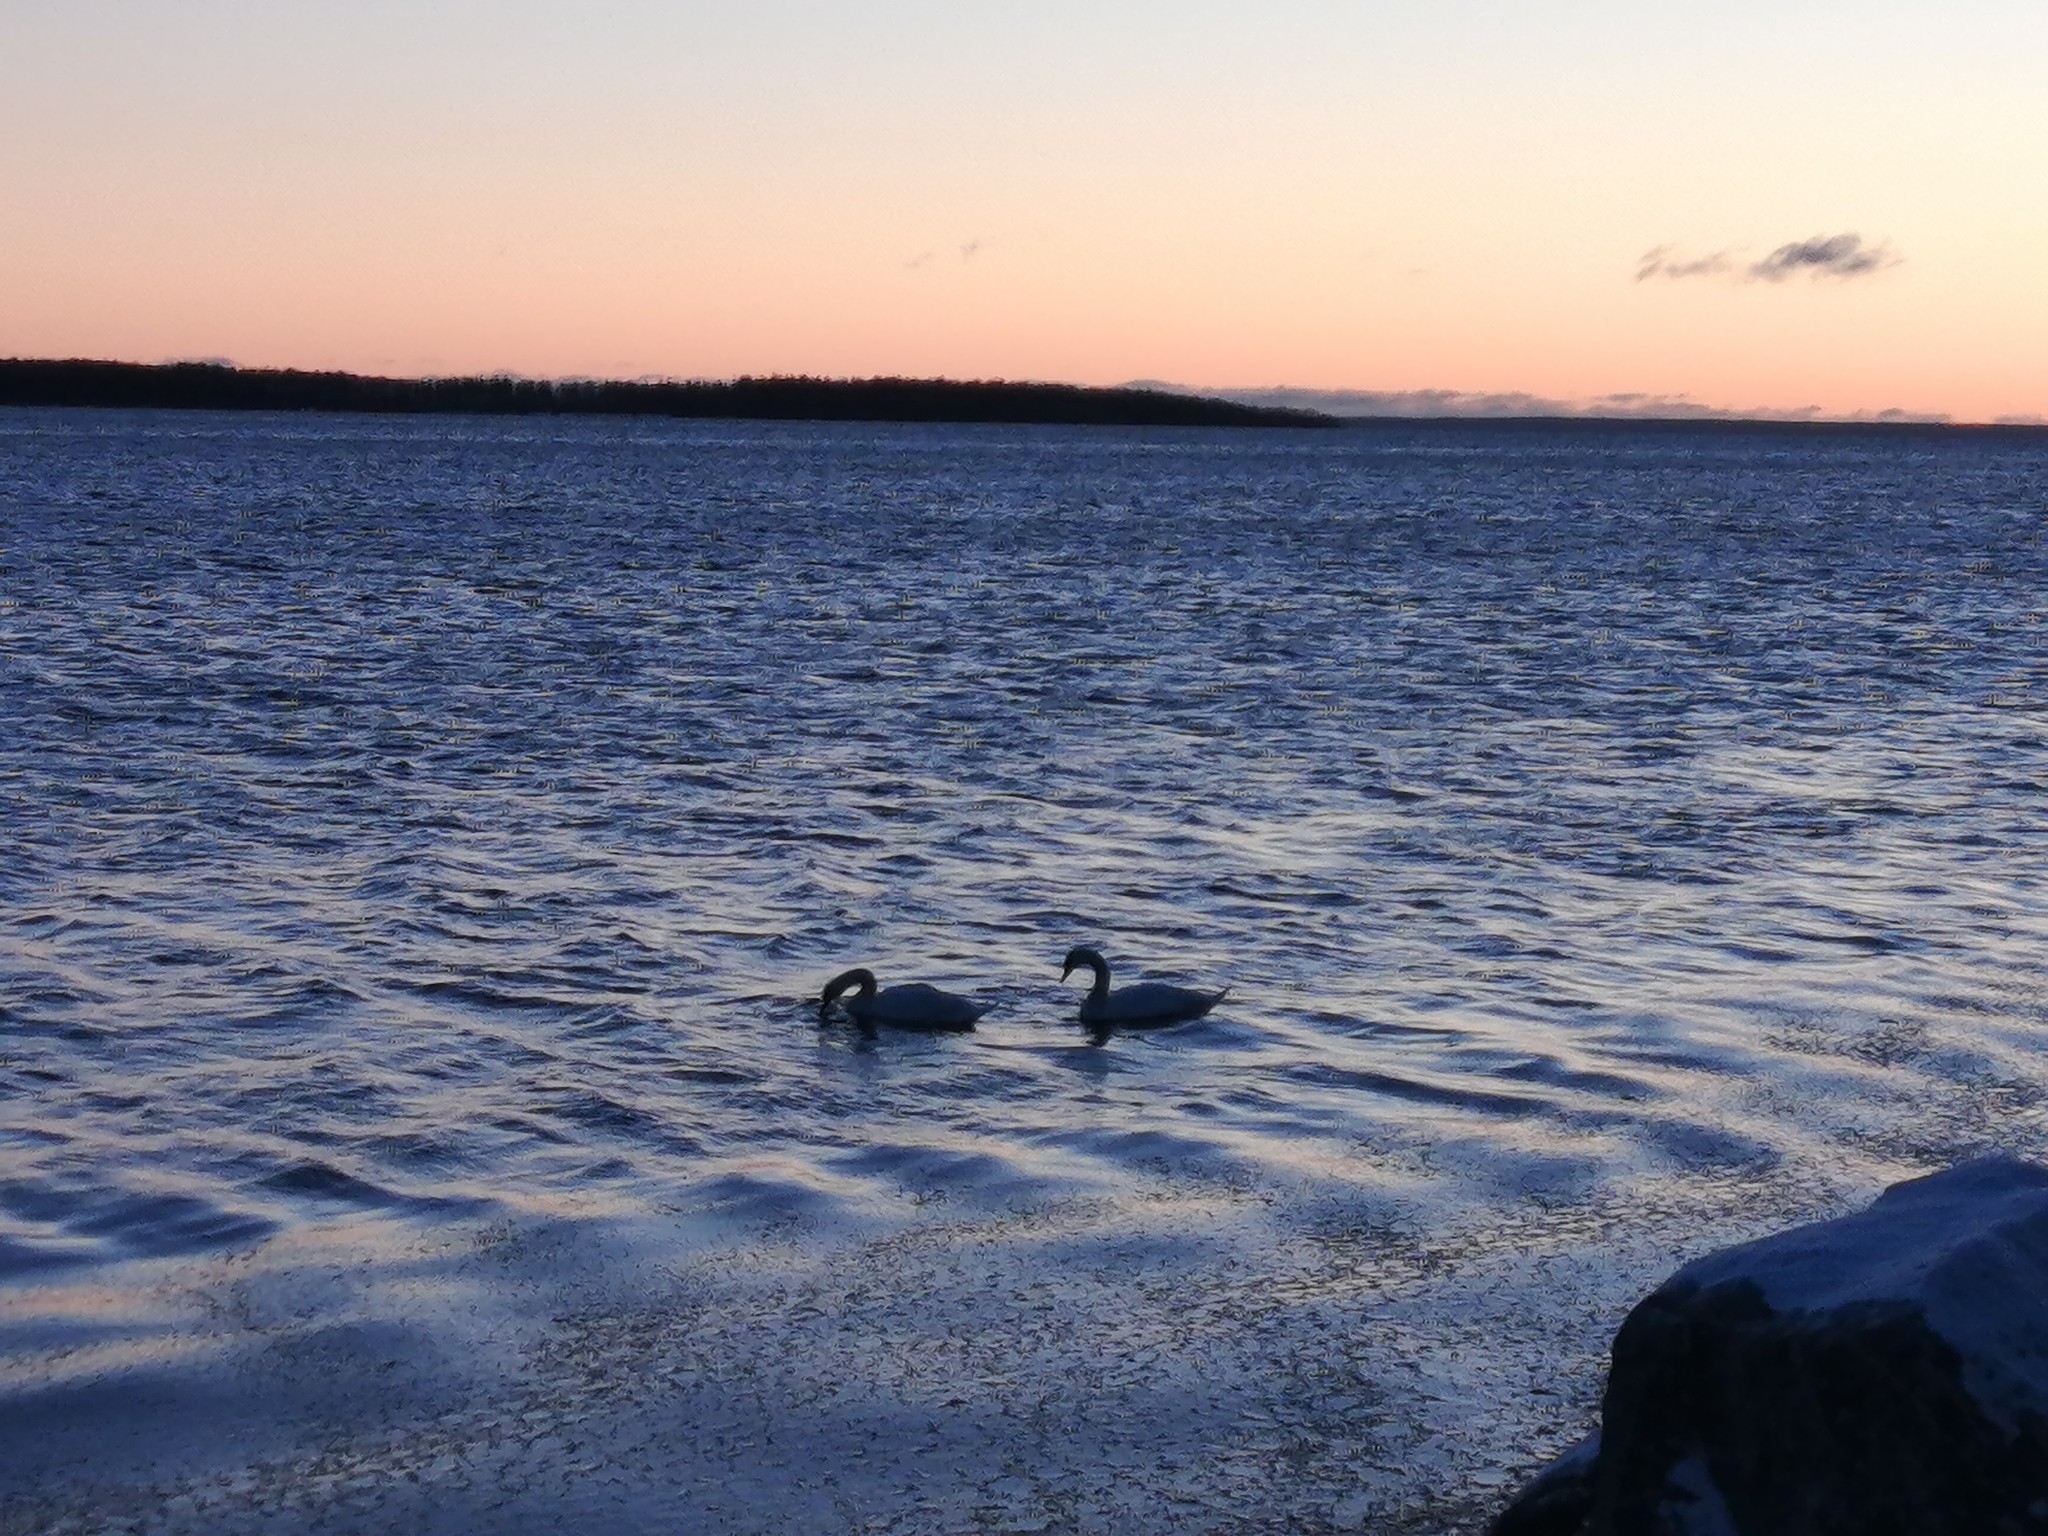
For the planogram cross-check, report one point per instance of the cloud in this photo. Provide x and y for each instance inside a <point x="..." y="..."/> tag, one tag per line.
<point x="1427" y="404"/>
<point x="1664" y="261"/>
<point x="1840" y="256"/>
<point x="968" y="251"/>
<point x="1823" y="256"/>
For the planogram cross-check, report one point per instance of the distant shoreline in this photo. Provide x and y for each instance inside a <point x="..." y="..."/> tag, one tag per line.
<point x="221" y="387"/>
<point x="94" y="383"/>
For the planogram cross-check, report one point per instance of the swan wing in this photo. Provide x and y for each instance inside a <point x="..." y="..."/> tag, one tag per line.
<point x="914" y="1005"/>
<point x="1151" y="1002"/>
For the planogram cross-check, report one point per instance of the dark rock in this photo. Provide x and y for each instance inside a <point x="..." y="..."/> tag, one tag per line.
<point x="1559" y="1498"/>
<point x="1883" y="1373"/>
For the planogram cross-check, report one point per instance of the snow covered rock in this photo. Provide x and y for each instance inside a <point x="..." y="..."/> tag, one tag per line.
<point x="1886" y="1372"/>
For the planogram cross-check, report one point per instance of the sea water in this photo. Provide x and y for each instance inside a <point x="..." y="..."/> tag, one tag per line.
<point x="425" y="842"/>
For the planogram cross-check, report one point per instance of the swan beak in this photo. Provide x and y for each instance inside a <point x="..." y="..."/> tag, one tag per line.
<point x="1066" y="970"/>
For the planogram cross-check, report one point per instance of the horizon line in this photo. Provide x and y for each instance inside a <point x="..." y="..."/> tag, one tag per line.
<point x="1336" y="406"/>
<point x="1518" y="405"/>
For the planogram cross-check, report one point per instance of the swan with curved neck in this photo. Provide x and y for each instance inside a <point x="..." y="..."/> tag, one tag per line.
<point x="911" y="1005"/>
<point x="1146" y="1005"/>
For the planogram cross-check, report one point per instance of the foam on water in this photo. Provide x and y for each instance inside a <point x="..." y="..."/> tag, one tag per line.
<point x="427" y="840"/>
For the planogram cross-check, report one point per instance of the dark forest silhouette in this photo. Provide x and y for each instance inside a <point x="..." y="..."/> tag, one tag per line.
<point x="220" y="387"/>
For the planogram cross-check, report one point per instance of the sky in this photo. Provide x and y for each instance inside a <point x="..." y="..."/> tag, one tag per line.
<point x="1751" y="206"/>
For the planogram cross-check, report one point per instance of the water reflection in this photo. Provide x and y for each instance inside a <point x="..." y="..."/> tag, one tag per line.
<point x="1609" y="842"/>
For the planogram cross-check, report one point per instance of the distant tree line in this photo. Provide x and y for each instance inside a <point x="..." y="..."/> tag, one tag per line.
<point x="220" y="387"/>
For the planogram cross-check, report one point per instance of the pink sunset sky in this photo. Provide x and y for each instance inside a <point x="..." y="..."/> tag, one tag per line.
<point x="1746" y="206"/>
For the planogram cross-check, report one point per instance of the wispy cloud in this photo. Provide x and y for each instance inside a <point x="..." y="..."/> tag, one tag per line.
<point x="1841" y="256"/>
<point x="1823" y="256"/>
<point x="1413" y="404"/>
<point x="1664" y="261"/>
<point x="968" y="251"/>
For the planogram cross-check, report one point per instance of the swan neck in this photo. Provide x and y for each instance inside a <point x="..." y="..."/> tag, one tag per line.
<point x="860" y="977"/>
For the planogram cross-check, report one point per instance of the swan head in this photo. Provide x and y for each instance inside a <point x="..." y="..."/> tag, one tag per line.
<point x="1081" y="955"/>
<point x="860" y="976"/>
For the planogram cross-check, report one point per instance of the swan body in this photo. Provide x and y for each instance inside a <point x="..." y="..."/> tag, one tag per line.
<point x="912" y="1005"/>
<point x="1148" y="1005"/>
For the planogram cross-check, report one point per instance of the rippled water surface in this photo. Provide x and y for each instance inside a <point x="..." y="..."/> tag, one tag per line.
<point x="426" y="842"/>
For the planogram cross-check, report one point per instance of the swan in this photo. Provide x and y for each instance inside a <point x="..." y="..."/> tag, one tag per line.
<point x="910" y="1006"/>
<point x="1147" y="1005"/>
